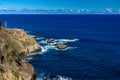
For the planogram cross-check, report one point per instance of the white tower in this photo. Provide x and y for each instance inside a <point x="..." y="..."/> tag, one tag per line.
<point x="5" y="24"/>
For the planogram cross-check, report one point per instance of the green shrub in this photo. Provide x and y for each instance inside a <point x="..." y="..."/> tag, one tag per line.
<point x="7" y="46"/>
<point x="26" y="43"/>
<point x="15" y="74"/>
<point x="21" y="53"/>
<point x="14" y="52"/>
<point x="10" y="60"/>
<point x="2" y="70"/>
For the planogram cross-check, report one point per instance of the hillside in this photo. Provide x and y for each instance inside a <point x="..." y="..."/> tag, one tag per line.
<point x="15" y="45"/>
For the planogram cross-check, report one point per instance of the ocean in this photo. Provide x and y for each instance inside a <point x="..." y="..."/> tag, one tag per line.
<point x="92" y="54"/>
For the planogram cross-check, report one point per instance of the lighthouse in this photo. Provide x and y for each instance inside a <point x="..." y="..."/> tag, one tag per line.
<point x="5" y="24"/>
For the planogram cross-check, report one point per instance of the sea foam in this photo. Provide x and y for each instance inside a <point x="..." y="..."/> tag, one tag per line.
<point x="49" y="46"/>
<point x="39" y="38"/>
<point x="59" y="41"/>
<point x="41" y="76"/>
<point x="65" y="40"/>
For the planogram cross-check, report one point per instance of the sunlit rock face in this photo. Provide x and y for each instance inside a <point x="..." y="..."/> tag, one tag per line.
<point x="15" y="45"/>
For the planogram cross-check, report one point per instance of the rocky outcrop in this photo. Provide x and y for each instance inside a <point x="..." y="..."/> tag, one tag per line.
<point x="18" y="40"/>
<point x="61" y="46"/>
<point x="52" y="77"/>
<point x="49" y="41"/>
<point x="34" y="48"/>
<point x="15" y="45"/>
<point x="16" y="71"/>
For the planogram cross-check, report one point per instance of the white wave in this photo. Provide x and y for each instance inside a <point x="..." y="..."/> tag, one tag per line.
<point x="55" y="41"/>
<point x="47" y="47"/>
<point x="65" y="78"/>
<point x="60" y="78"/>
<point x="66" y="48"/>
<point x="72" y="47"/>
<point x="30" y="56"/>
<point x="27" y="59"/>
<point x="39" y="38"/>
<point x="44" y="49"/>
<point x="52" y="46"/>
<point x="56" y="79"/>
<point x="65" y="40"/>
<point x="43" y="41"/>
<point x="34" y="53"/>
<point x="69" y="40"/>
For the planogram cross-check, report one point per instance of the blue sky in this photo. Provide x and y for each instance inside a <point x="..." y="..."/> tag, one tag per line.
<point x="94" y="5"/>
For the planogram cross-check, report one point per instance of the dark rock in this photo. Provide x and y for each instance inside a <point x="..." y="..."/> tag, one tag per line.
<point x="52" y="77"/>
<point x="71" y="38"/>
<point x="61" y="46"/>
<point x="49" y="41"/>
<point x="57" y="41"/>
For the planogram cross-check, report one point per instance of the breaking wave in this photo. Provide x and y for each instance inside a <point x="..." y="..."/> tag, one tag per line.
<point x="65" y="40"/>
<point x="39" y="38"/>
<point x="59" y="41"/>
<point x="42" y="76"/>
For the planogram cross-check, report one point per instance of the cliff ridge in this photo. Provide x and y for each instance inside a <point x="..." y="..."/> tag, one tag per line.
<point x="15" y="45"/>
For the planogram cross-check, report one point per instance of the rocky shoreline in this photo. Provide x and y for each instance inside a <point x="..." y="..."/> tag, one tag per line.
<point x="15" y="45"/>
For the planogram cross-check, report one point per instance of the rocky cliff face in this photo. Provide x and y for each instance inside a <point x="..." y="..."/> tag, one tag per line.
<point x="15" y="45"/>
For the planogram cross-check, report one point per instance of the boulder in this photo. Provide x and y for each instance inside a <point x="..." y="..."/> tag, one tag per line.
<point x="49" y="41"/>
<point x="61" y="46"/>
<point x="52" y="77"/>
<point x="57" y="41"/>
<point x="71" y="39"/>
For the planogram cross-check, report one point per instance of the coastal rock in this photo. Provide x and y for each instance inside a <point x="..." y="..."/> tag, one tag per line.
<point x="61" y="46"/>
<point x="34" y="48"/>
<point x="15" y="45"/>
<point x="18" y="40"/>
<point x="71" y="39"/>
<point x="52" y="77"/>
<point x="49" y="41"/>
<point x="57" y="41"/>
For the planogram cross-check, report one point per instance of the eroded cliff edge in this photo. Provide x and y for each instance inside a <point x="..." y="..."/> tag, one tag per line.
<point x="15" y="45"/>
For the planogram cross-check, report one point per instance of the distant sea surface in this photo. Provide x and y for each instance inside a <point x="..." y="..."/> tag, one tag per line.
<point x="94" y="54"/>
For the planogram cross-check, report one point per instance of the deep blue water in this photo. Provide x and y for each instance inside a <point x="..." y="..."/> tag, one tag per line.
<point x="94" y="56"/>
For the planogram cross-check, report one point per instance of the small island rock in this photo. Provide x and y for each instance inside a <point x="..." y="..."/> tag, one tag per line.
<point x="49" y="41"/>
<point x="61" y="46"/>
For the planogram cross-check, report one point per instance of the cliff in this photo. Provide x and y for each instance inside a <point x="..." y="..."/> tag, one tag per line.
<point x="15" y="45"/>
